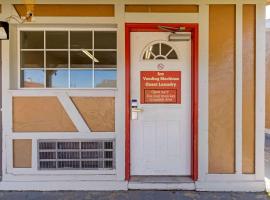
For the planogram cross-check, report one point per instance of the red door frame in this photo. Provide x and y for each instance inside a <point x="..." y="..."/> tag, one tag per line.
<point x="153" y="27"/>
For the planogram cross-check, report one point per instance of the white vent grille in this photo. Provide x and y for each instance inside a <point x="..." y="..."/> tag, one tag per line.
<point x="67" y="154"/>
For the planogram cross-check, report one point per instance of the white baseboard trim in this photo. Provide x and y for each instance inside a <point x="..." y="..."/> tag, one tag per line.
<point x="267" y="184"/>
<point x="161" y="186"/>
<point x="231" y="186"/>
<point x="267" y="130"/>
<point x="240" y="186"/>
<point x="63" y="185"/>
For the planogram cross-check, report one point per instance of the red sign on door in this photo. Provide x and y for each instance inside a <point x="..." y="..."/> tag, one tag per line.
<point x="160" y="87"/>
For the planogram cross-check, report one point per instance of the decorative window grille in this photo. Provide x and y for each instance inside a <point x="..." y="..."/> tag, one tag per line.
<point x="159" y="51"/>
<point x="70" y="154"/>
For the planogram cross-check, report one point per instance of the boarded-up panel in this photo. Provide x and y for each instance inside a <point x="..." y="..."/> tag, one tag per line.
<point x="221" y="89"/>
<point x="98" y="112"/>
<point x="267" y="110"/>
<point x="249" y="63"/>
<point x="67" y="10"/>
<point x="40" y="114"/>
<point x="22" y="153"/>
<point x="162" y="8"/>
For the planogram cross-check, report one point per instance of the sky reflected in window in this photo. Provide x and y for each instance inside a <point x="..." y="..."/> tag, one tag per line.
<point x="57" y="78"/>
<point x="32" y="78"/>
<point x="81" y="78"/>
<point x="105" y="78"/>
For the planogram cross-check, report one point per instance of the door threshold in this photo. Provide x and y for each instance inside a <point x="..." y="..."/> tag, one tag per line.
<point x="161" y="183"/>
<point x="161" y="179"/>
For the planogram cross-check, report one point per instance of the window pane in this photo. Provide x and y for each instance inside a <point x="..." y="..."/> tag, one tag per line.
<point x="155" y="49"/>
<point x="172" y="55"/>
<point x="107" y="59"/>
<point x="165" y="49"/>
<point x="105" y="39"/>
<point x="148" y="55"/>
<point x="56" y="39"/>
<point x="57" y="78"/>
<point x="78" y="59"/>
<point x="105" y="78"/>
<point x="81" y="39"/>
<point x="32" y="59"/>
<point x="32" y="78"/>
<point x="32" y="40"/>
<point x="56" y="59"/>
<point x="81" y="78"/>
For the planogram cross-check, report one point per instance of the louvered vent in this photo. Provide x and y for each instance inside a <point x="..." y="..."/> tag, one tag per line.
<point x="69" y="154"/>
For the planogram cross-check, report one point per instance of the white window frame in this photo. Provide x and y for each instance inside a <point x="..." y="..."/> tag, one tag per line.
<point x="69" y="29"/>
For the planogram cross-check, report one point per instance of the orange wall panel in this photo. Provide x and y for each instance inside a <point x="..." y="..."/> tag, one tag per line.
<point x="40" y="114"/>
<point x="22" y="153"/>
<point x="67" y="10"/>
<point x="162" y="8"/>
<point x="221" y="89"/>
<point x="97" y="112"/>
<point x="249" y="73"/>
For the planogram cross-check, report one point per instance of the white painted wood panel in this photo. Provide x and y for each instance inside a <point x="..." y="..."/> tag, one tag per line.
<point x="161" y="137"/>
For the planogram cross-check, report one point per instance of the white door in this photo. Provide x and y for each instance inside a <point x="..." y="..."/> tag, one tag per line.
<point x="161" y="131"/>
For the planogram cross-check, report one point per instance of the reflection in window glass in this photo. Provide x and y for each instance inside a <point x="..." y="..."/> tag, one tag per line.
<point x="105" y="78"/>
<point x="56" y="59"/>
<point x="32" y="40"/>
<point x="159" y="51"/>
<point x="69" y="58"/>
<point x="81" y="78"/>
<point x="155" y="49"/>
<point x="107" y="59"/>
<point x="78" y="59"/>
<point x="165" y="49"/>
<point x="148" y="55"/>
<point x="105" y="39"/>
<point x="32" y="78"/>
<point x="57" y="78"/>
<point x="172" y="55"/>
<point x="81" y="39"/>
<point x="32" y="59"/>
<point x="56" y="39"/>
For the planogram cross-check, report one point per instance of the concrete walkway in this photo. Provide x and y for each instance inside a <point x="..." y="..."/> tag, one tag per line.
<point x="145" y="195"/>
<point x="132" y="195"/>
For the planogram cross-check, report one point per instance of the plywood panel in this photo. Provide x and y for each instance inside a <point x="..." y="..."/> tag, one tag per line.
<point x="162" y="8"/>
<point x="221" y="88"/>
<point x="98" y="112"/>
<point x="22" y="153"/>
<point x="67" y="10"/>
<point x="267" y="111"/>
<point x="40" y="114"/>
<point x="249" y="63"/>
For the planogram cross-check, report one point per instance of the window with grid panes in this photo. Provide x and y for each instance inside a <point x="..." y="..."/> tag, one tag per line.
<point x="68" y="59"/>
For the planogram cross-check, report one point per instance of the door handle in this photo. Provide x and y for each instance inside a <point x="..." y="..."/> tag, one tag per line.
<point x="137" y="110"/>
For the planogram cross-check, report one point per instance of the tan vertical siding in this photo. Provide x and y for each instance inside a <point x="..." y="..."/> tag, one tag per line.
<point x="221" y="88"/>
<point x="249" y="66"/>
